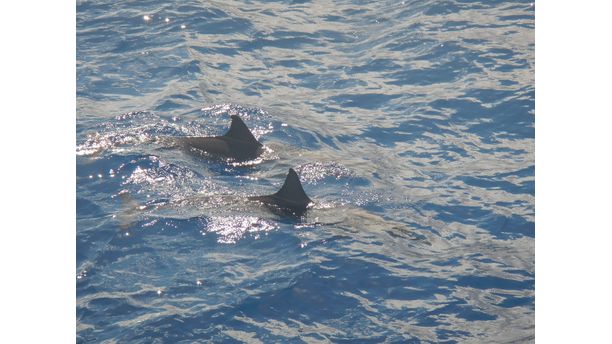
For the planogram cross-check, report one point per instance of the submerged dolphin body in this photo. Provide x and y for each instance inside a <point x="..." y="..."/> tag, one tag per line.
<point x="291" y="196"/>
<point x="290" y="200"/>
<point x="237" y="144"/>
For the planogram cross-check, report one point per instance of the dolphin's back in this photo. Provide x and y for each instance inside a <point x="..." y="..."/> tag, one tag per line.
<point x="210" y="145"/>
<point x="238" y="143"/>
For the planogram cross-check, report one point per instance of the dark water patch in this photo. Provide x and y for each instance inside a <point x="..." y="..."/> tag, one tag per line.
<point x="87" y="209"/>
<point x="493" y="184"/>
<point x="294" y="63"/>
<point x="442" y="8"/>
<point x="441" y="73"/>
<point x="448" y="335"/>
<point x="458" y="308"/>
<point x="511" y="227"/>
<point x="298" y="41"/>
<point x="517" y="17"/>
<point x="168" y="105"/>
<point x="503" y="227"/>
<point x="110" y="307"/>
<point x="89" y="243"/>
<point x="507" y="119"/>
<point x="513" y="301"/>
<point x="354" y="11"/>
<point x="222" y="26"/>
<point x="208" y="50"/>
<point x="490" y="282"/>
<point x="465" y="312"/>
<point x="408" y="43"/>
<point x="358" y="339"/>
<point x="376" y="66"/>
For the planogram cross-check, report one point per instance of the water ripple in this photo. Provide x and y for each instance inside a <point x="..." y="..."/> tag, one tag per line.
<point x="411" y="124"/>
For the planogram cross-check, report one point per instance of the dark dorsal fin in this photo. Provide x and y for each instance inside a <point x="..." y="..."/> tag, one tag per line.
<point x="292" y="190"/>
<point x="239" y="131"/>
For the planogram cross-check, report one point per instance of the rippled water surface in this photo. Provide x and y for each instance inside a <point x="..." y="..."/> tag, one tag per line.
<point x="411" y="124"/>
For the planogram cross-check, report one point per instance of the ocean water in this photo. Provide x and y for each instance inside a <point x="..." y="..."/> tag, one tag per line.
<point x="410" y="123"/>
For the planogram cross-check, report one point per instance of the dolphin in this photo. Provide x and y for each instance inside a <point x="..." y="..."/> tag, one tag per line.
<point x="290" y="198"/>
<point x="237" y="144"/>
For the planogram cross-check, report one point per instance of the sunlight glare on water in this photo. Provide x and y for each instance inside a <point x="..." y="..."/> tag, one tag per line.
<point x="232" y="229"/>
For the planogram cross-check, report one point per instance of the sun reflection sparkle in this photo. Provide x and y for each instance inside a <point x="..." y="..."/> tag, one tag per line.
<point x="232" y="229"/>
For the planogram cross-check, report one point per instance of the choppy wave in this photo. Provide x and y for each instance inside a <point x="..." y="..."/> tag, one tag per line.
<point x="411" y="124"/>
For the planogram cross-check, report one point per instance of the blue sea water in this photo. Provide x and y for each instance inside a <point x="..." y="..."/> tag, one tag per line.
<point x="411" y="124"/>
